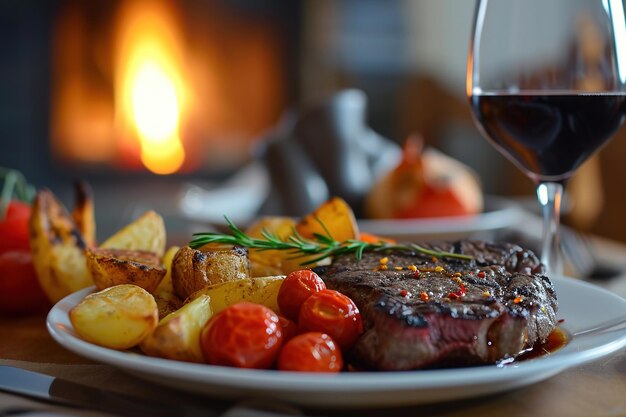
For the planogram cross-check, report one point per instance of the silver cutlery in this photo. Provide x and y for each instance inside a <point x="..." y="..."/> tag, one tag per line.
<point x="62" y="392"/>
<point x="580" y="251"/>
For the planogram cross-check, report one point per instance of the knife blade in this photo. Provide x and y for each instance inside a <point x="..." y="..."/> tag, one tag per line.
<point x="62" y="392"/>
<point x="59" y="391"/>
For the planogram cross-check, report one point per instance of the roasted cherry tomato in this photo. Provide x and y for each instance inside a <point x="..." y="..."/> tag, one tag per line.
<point x="14" y="227"/>
<point x="333" y="313"/>
<point x="311" y="352"/>
<point x="20" y="292"/>
<point x="290" y="328"/>
<point x="245" y="335"/>
<point x="295" y="289"/>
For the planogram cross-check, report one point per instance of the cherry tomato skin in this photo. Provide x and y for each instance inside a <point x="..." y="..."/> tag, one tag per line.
<point x="20" y="292"/>
<point x="14" y="227"/>
<point x="244" y="335"/>
<point x="290" y="328"/>
<point x="311" y="352"/>
<point x="295" y="289"/>
<point x="333" y="313"/>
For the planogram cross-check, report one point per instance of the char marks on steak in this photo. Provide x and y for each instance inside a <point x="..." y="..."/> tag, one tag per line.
<point x="508" y="305"/>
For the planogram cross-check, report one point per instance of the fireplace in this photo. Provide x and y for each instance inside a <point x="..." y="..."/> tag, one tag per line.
<point x="164" y="87"/>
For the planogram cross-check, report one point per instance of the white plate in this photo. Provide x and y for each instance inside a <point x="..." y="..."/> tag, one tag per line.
<point x="499" y="213"/>
<point x="593" y="315"/>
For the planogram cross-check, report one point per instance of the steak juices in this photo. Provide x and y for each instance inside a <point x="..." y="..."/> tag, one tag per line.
<point x="419" y="311"/>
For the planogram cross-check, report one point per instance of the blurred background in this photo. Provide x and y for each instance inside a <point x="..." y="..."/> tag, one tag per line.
<point x="79" y="98"/>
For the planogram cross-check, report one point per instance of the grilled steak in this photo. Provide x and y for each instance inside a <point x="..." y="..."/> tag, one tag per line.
<point x="424" y="312"/>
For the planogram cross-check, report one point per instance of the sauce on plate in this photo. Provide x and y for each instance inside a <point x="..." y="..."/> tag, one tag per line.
<point x="555" y="341"/>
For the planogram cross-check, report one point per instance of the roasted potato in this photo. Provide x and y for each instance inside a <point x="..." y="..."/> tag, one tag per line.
<point x="147" y="233"/>
<point x="271" y="262"/>
<point x="262" y="290"/>
<point x="335" y="217"/>
<point x="83" y="213"/>
<point x="118" y="317"/>
<point x="194" y="269"/>
<point x="110" y="267"/>
<point x="167" y="301"/>
<point x="57" y="247"/>
<point x="178" y="335"/>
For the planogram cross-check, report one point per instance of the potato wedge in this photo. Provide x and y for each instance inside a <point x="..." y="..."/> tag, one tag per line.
<point x="336" y="216"/>
<point x="147" y="233"/>
<point x="118" y="317"/>
<point x="83" y="213"/>
<point x="167" y="301"/>
<point x="194" y="269"/>
<point x="177" y="336"/>
<point x="57" y="247"/>
<point x="110" y="267"/>
<point x="261" y="290"/>
<point x="270" y="262"/>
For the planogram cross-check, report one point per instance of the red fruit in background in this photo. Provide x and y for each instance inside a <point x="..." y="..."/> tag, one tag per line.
<point x="14" y="227"/>
<point x="435" y="202"/>
<point x="295" y="289"/>
<point x="20" y="292"/>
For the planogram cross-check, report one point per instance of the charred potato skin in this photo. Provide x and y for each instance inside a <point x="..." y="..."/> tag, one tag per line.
<point x="193" y="269"/>
<point x="167" y="301"/>
<point x="83" y="213"/>
<point x="111" y="267"/>
<point x="57" y="247"/>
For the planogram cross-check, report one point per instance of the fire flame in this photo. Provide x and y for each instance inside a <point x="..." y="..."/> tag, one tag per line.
<point x="150" y="93"/>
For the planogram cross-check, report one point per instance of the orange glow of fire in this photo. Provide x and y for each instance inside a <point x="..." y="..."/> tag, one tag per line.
<point x="150" y="93"/>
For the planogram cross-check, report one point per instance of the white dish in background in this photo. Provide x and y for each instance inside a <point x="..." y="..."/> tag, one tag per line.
<point x="595" y="317"/>
<point x="499" y="213"/>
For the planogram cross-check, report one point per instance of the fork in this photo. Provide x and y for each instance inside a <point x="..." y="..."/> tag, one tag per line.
<point x="580" y="251"/>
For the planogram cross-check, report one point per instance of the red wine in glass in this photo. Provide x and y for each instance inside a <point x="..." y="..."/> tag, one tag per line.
<point x="546" y="81"/>
<point x="549" y="134"/>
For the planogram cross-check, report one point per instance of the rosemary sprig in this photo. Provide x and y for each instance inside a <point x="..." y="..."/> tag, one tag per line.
<point x="323" y="245"/>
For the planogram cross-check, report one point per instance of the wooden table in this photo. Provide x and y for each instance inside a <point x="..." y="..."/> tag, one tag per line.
<point x="595" y="389"/>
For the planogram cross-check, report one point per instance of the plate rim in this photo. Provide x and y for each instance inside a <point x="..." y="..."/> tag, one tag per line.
<point x="503" y="213"/>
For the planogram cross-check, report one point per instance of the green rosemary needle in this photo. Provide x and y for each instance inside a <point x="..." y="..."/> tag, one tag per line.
<point x="321" y="247"/>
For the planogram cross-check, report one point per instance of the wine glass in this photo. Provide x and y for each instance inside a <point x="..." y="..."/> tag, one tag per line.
<point x="546" y="83"/>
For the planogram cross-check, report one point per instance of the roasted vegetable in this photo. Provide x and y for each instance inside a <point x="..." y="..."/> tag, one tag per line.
<point x="195" y="269"/>
<point x="147" y="233"/>
<point x="83" y="213"/>
<point x="335" y="217"/>
<point x="118" y="317"/>
<point x="262" y="290"/>
<point x="167" y="301"/>
<point x="57" y="247"/>
<point x="110" y="267"/>
<point x="271" y="262"/>
<point x="309" y="243"/>
<point x="178" y="335"/>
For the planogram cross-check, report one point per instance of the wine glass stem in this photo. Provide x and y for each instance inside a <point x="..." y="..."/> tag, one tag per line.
<point x="550" y="195"/>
